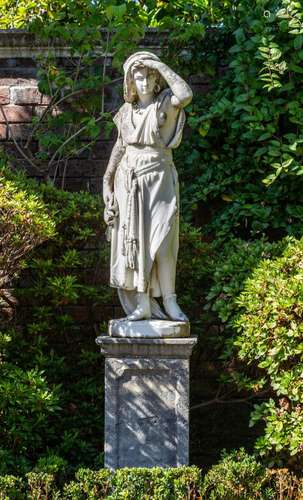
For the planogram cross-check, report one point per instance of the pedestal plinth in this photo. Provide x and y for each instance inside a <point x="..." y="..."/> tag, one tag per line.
<point x="146" y="401"/>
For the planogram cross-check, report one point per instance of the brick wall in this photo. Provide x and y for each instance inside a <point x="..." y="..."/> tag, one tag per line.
<point x="21" y="101"/>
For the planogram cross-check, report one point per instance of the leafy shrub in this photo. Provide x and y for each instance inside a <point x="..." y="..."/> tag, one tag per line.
<point x="24" y="224"/>
<point x="11" y="487"/>
<point x="232" y="264"/>
<point x="26" y="405"/>
<point x="236" y="261"/>
<point x="285" y="484"/>
<point x="166" y="484"/>
<point x="41" y="416"/>
<point x="41" y="485"/>
<point x="237" y="475"/>
<point x="26" y="399"/>
<point x="51" y="464"/>
<point x="270" y="336"/>
<point x="194" y="261"/>
<point x="89" y="484"/>
<point x="258" y="293"/>
<point x="137" y="483"/>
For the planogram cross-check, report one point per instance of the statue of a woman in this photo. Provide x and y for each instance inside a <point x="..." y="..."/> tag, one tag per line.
<point x="140" y="188"/>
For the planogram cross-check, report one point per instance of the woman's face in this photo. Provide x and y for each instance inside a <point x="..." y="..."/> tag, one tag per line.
<point x="145" y="81"/>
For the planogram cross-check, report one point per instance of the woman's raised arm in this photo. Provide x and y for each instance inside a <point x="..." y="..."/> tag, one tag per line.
<point x="182" y="93"/>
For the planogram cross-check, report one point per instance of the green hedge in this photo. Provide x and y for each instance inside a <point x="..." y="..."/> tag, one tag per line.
<point x="165" y="484"/>
<point x="238" y="476"/>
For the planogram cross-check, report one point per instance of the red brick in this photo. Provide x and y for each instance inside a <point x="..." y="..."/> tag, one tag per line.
<point x="7" y="312"/>
<point x="81" y="314"/>
<point x="27" y="95"/>
<point x="79" y="167"/>
<point x="101" y="150"/>
<point x="118" y="312"/>
<point x="10" y="148"/>
<point x="4" y="95"/>
<point x="102" y="313"/>
<point x="13" y="82"/>
<point x="15" y="114"/>
<point x="19" y="131"/>
<point x="39" y="110"/>
<point x="2" y="132"/>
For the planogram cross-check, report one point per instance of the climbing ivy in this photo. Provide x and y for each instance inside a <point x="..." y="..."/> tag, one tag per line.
<point x="243" y="174"/>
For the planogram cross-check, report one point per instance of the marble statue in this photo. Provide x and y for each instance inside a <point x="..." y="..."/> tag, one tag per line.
<point x="141" y="191"/>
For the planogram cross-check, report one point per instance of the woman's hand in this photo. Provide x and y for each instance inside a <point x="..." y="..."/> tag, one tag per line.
<point x="107" y="193"/>
<point x="109" y="176"/>
<point x="182" y="93"/>
<point x="152" y="64"/>
<point x="111" y="210"/>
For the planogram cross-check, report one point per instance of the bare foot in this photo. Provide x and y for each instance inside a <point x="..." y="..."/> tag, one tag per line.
<point x="142" y="310"/>
<point x="172" y="308"/>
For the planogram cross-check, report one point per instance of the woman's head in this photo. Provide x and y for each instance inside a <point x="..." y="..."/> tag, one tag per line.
<point x="144" y="80"/>
<point x="139" y="79"/>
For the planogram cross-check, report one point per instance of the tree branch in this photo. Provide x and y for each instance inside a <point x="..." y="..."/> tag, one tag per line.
<point x="16" y="143"/>
<point x="221" y="400"/>
<point x="36" y="126"/>
<point x="82" y="129"/>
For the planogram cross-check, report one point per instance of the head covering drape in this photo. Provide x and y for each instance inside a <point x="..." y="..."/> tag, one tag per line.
<point x="138" y="57"/>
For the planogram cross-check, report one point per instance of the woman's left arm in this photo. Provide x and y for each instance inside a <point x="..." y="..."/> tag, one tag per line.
<point x="182" y="93"/>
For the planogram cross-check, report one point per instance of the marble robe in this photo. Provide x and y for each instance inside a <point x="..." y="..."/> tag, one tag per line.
<point x="146" y="192"/>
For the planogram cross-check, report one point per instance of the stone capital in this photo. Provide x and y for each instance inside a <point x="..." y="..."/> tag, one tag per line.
<point x="168" y="348"/>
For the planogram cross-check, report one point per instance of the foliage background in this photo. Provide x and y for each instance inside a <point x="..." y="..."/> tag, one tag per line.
<point x="241" y="188"/>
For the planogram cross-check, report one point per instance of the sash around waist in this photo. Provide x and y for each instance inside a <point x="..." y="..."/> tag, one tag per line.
<point x="135" y="163"/>
<point x="145" y="159"/>
<point x="144" y="149"/>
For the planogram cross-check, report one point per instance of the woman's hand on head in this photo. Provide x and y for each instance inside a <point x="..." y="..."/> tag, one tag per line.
<point x="152" y="64"/>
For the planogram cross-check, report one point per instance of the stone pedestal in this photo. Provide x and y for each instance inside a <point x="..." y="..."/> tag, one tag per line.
<point x="146" y="401"/>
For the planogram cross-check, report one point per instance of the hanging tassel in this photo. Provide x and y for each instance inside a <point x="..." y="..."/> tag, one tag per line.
<point x="131" y="254"/>
<point x="130" y="247"/>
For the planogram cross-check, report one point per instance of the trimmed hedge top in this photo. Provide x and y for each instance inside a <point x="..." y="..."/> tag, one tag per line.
<point x="136" y="483"/>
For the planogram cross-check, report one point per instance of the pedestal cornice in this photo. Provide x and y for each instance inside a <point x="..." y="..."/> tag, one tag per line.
<point x="117" y="347"/>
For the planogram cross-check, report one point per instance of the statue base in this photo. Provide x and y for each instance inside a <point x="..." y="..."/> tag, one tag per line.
<point x="151" y="328"/>
<point x="146" y="401"/>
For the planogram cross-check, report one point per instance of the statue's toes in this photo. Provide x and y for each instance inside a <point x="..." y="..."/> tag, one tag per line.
<point x="183" y="317"/>
<point x="138" y="315"/>
<point x="179" y="317"/>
